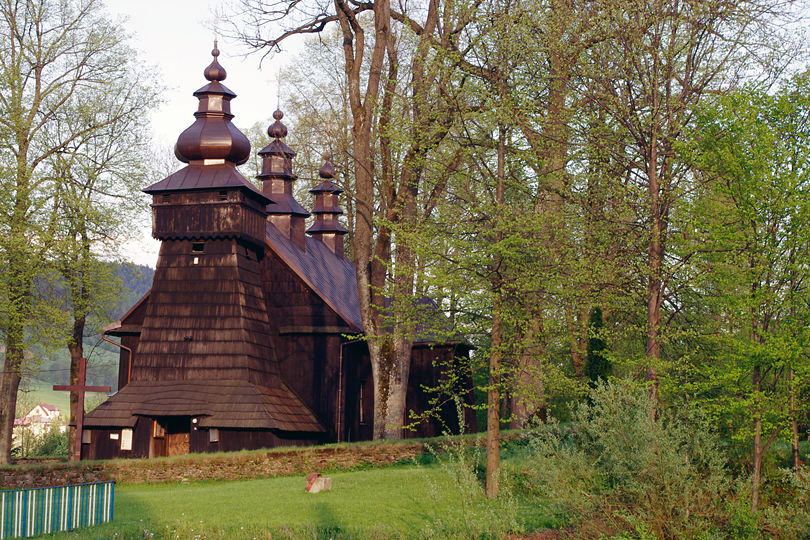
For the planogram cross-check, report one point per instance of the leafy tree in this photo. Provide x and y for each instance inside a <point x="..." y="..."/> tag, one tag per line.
<point x="60" y="56"/>
<point x="658" y="61"/>
<point x="99" y="175"/>
<point x="752" y="151"/>
<point x="597" y="365"/>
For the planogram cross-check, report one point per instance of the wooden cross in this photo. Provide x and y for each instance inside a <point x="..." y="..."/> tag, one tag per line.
<point x="80" y="389"/>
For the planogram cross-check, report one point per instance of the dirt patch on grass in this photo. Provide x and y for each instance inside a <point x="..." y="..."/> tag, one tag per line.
<point x="224" y="466"/>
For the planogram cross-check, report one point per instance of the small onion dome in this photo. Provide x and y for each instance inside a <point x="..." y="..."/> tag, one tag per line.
<point x="326" y="208"/>
<point x="277" y="156"/>
<point x="215" y="72"/>
<point x="212" y="136"/>
<point x="277" y="130"/>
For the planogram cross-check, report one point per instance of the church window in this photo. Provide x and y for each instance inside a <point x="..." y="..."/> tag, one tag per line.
<point x="87" y="436"/>
<point x="223" y="195"/>
<point x="158" y="431"/>
<point x="198" y="247"/>
<point x="166" y="198"/>
<point x="126" y="439"/>
<point x="213" y="435"/>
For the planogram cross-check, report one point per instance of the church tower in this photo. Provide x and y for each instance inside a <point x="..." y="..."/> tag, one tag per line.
<point x="206" y="316"/>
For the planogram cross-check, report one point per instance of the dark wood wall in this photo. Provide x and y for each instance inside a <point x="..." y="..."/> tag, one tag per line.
<point x="307" y="343"/>
<point x="144" y="445"/>
<point x="208" y="214"/>
<point x="206" y="316"/>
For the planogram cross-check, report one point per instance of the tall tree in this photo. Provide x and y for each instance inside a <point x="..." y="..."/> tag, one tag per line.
<point x="662" y="57"/>
<point x="752" y="153"/>
<point x="99" y="174"/>
<point x="54" y="52"/>
<point x="390" y="160"/>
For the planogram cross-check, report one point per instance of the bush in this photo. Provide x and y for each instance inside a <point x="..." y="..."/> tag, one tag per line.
<point x="616" y="469"/>
<point x="789" y="517"/>
<point x="52" y="443"/>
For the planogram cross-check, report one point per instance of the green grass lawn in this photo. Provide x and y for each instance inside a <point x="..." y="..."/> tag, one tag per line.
<point x="395" y="502"/>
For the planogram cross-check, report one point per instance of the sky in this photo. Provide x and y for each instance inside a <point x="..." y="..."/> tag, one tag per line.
<point x="176" y="37"/>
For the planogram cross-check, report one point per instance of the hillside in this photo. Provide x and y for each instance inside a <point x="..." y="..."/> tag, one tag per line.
<point x="51" y="361"/>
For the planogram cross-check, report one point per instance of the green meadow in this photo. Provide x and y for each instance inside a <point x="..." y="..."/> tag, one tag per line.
<point x="396" y="502"/>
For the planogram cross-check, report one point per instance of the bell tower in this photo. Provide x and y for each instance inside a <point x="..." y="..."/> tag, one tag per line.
<point x="206" y="317"/>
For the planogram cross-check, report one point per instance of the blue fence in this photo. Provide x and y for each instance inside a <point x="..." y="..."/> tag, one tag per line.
<point x="32" y="512"/>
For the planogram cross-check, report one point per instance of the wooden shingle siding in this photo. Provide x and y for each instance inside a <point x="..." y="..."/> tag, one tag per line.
<point x="206" y="320"/>
<point x="203" y="215"/>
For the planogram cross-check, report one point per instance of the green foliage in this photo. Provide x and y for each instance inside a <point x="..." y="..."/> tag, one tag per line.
<point x="750" y="150"/>
<point x="790" y="517"/>
<point x="597" y="364"/>
<point x="475" y="515"/>
<point x="51" y="443"/>
<point x="615" y="463"/>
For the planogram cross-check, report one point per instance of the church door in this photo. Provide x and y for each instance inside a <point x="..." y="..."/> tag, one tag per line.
<point x="170" y="436"/>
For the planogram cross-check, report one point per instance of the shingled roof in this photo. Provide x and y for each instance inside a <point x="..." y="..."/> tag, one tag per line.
<point x="219" y="404"/>
<point x="329" y="276"/>
<point x="196" y="177"/>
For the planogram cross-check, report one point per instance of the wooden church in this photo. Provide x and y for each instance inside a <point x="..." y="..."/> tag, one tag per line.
<point x="245" y="338"/>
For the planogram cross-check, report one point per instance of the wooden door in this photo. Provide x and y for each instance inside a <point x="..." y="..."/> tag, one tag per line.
<point x="177" y="444"/>
<point x="170" y="436"/>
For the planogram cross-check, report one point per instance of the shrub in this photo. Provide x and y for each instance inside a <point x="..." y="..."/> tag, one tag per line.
<point x="615" y="468"/>
<point x="789" y="517"/>
<point x="52" y="443"/>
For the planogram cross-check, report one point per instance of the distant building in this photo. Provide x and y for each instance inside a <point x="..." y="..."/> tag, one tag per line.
<point x="40" y="419"/>
<point x="245" y="338"/>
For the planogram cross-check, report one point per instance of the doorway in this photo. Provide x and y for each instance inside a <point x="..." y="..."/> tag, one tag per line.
<point x="170" y="436"/>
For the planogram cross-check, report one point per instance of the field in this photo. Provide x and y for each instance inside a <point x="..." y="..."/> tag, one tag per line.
<point x="396" y="502"/>
<point x="34" y="392"/>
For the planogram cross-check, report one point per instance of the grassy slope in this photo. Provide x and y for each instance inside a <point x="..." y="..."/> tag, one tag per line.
<point x="40" y="392"/>
<point x="404" y="501"/>
<point x="43" y="392"/>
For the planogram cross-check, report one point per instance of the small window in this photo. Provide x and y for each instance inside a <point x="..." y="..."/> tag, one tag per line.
<point x="158" y="431"/>
<point x="198" y="247"/>
<point x="87" y="436"/>
<point x="166" y="198"/>
<point x="126" y="439"/>
<point x="114" y="436"/>
<point x="223" y="195"/>
<point x="213" y="435"/>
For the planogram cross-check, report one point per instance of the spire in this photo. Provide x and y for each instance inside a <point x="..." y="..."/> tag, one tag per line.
<point x="212" y="138"/>
<point x="277" y="183"/>
<point x="327" y="228"/>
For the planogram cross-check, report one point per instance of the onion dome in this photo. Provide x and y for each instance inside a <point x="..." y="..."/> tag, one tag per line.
<point x="212" y="136"/>
<point x="276" y="174"/>
<point x="326" y="208"/>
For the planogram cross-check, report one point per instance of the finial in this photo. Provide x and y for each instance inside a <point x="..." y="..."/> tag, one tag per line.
<point x="277" y="129"/>
<point x="327" y="171"/>
<point x="215" y="72"/>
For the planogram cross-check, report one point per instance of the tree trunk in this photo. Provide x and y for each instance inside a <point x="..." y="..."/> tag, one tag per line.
<point x="18" y="283"/>
<point x="8" y="395"/>
<point x="362" y="105"/>
<point x="494" y="401"/>
<point x="756" y="477"/>
<point x="794" y="421"/>
<point x="496" y="346"/>
<point x="528" y="398"/>
<point x="655" y="261"/>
